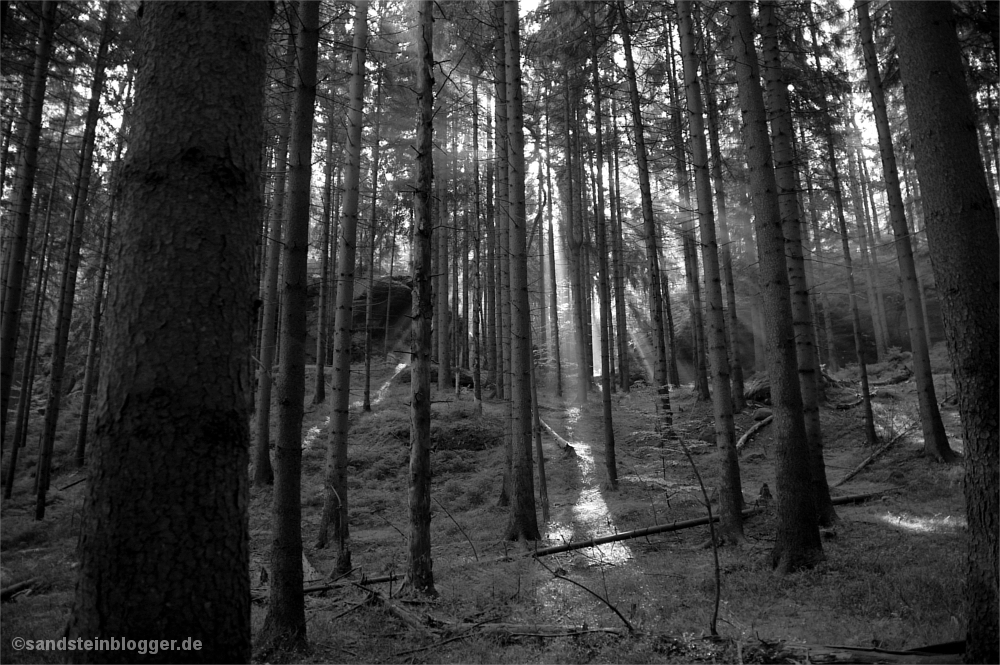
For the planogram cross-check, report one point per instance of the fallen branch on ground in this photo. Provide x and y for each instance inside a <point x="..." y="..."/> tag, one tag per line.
<point x="627" y="535"/>
<point x="9" y="592"/>
<point x="677" y="526"/>
<point x="845" y="407"/>
<point x="559" y="576"/>
<point x="874" y="456"/>
<point x="817" y="653"/>
<point x="563" y="443"/>
<point x="753" y="430"/>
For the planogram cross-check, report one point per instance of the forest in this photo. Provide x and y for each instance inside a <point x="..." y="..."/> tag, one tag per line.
<point x="495" y="331"/>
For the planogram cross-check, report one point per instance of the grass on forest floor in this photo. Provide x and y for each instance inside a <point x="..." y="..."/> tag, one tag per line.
<point x="893" y="574"/>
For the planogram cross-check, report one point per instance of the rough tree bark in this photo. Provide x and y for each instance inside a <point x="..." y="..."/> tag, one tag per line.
<point x="786" y="180"/>
<point x="335" y="501"/>
<point x="522" y="523"/>
<point x="419" y="571"/>
<point x="731" y="495"/>
<point x="935" y="438"/>
<point x="285" y="621"/>
<point x="962" y="236"/>
<point x="164" y="548"/>
<point x="797" y="543"/>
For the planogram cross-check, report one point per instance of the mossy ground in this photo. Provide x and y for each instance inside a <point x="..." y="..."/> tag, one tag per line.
<point x="893" y="574"/>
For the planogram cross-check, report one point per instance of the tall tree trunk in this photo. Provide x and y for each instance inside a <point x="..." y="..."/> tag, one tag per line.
<point x="96" y="313"/>
<point x="618" y="270"/>
<point x="71" y="265"/>
<point x="419" y="570"/>
<point x="477" y="270"/>
<point x="786" y="180"/>
<point x="490" y="291"/>
<point x="650" y="233"/>
<point x="554" y="285"/>
<point x="731" y="494"/>
<point x="732" y="319"/>
<point x="366" y="401"/>
<point x="441" y="309"/>
<point x="172" y="435"/>
<point x="263" y="472"/>
<point x="602" y="259"/>
<point x="859" y="216"/>
<point x="522" y="523"/>
<point x="335" y="500"/>
<point x="962" y="236"/>
<point x="573" y="241"/>
<point x="502" y="244"/>
<point x="797" y="544"/>
<point x="285" y="621"/>
<point x="935" y="438"/>
<point x="816" y="250"/>
<point x="22" y="196"/>
<point x="323" y="311"/>
<point x="838" y="199"/>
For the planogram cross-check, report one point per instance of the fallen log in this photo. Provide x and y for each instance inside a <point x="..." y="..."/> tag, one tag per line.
<point x="871" y="458"/>
<point x="563" y="443"/>
<point x="677" y="526"/>
<point x="845" y="407"/>
<point x="753" y="430"/>
<point x="8" y="593"/>
<point x="627" y="535"/>
<point x="818" y="653"/>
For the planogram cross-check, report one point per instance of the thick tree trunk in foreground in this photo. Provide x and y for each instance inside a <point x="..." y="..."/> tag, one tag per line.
<point x="798" y="543"/>
<point x="165" y="547"/>
<point x="419" y="569"/>
<point x="731" y="495"/>
<point x="285" y="621"/>
<point x="786" y="179"/>
<point x="962" y="236"/>
<point x="935" y="438"/>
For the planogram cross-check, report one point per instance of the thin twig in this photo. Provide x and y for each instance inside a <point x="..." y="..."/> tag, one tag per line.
<point x="628" y="624"/>
<point x="715" y="546"/>
<point x="459" y="528"/>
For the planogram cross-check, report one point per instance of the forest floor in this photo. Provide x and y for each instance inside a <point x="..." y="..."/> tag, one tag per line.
<point x="892" y="579"/>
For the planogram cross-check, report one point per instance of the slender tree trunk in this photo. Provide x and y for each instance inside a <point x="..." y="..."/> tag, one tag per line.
<point x="554" y="290"/>
<point x="962" y="237"/>
<point x="71" y="265"/>
<point x="522" y="523"/>
<point x="477" y="295"/>
<point x="335" y="501"/>
<point x="835" y="187"/>
<point x="602" y="262"/>
<point x="285" y="621"/>
<point x="618" y="269"/>
<point x="419" y="570"/>
<point x="96" y="312"/>
<point x="816" y="249"/>
<point x="503" y="212"/>
<point x="797" y="544"/>
<point x="319" y="392"/>
<point x="786" y="180"/>
<point x="168" y="465"/>
<point x="441" y="309"/>
<point x="731" y="494"/>
<point x="650" y="232"/>
<point x="935" y="438"/>
<point x="24" y="185"/>
<point x="859" y="216"/>
<point x="263" y="472"/>
<point x="573" y="241"/>
<point x="732" y="320"/>
<point x="366" y="402"/>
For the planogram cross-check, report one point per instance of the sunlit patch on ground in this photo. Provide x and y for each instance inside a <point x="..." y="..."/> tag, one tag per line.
<point x="382" y="391"/>
<point x="935" y="524"/>
<point x="309" y="440"/>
